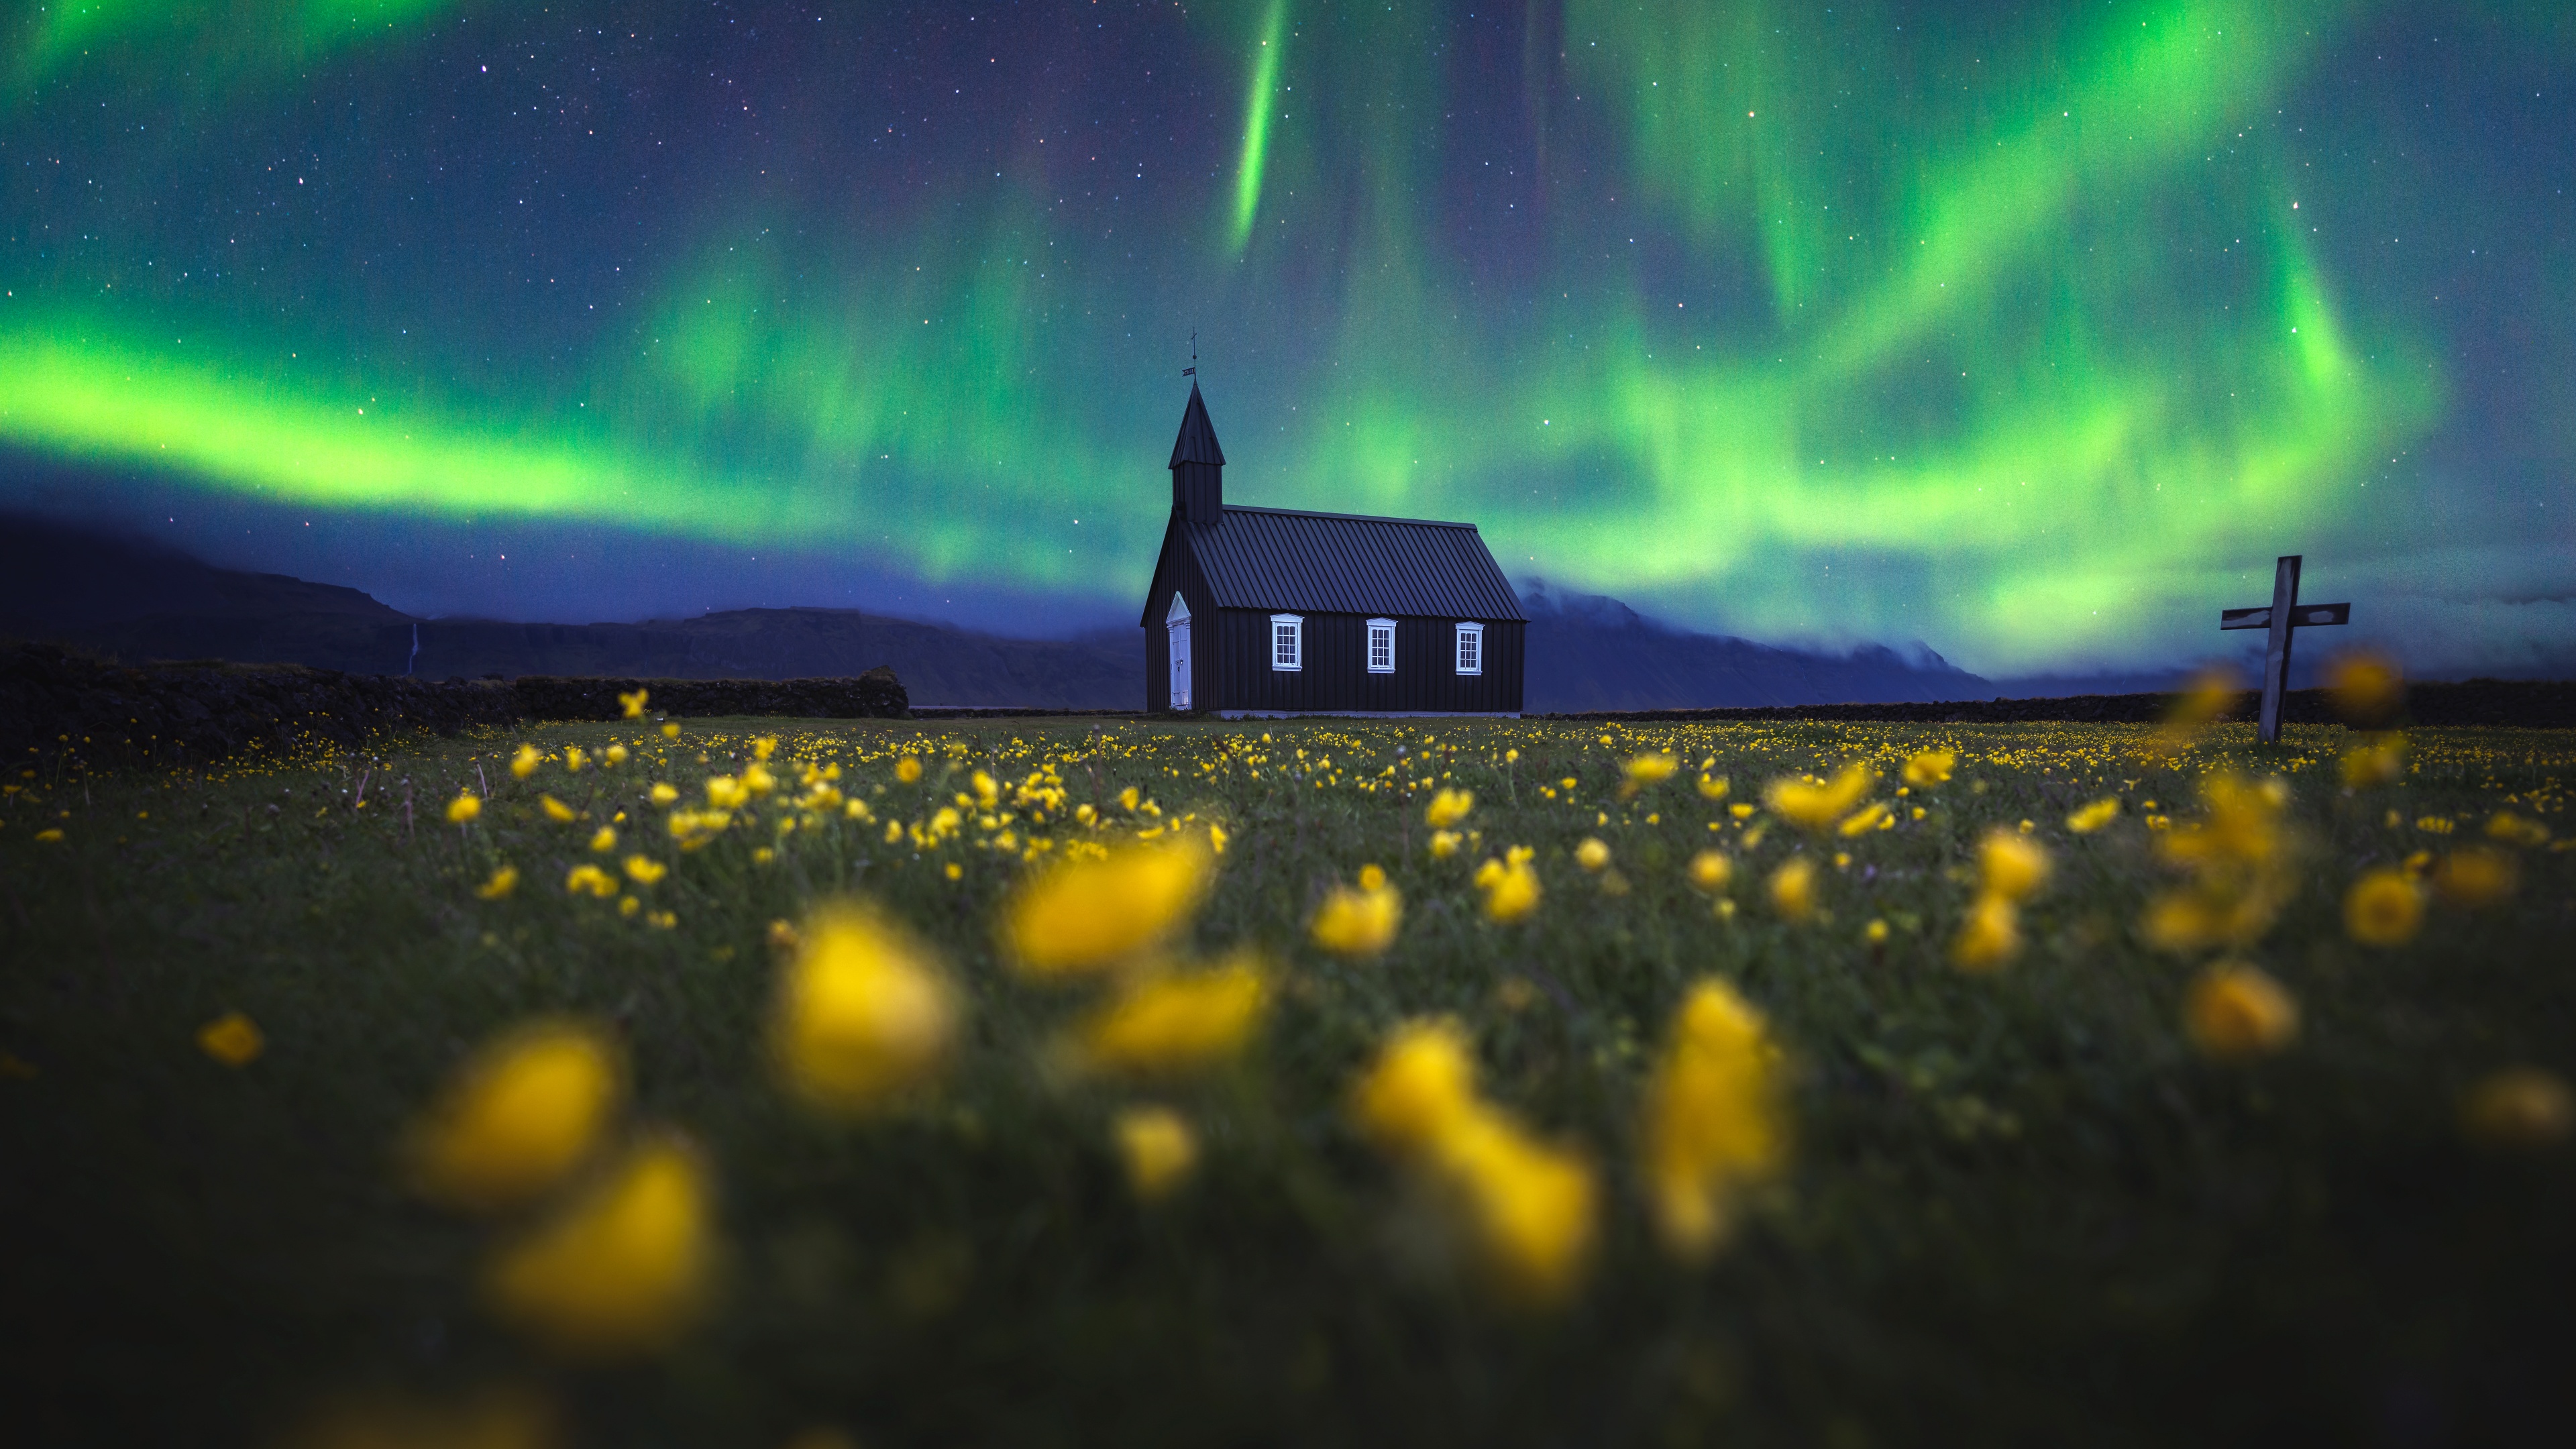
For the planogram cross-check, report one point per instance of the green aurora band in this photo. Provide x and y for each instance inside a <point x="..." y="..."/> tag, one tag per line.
<point x="2030" y="334"/>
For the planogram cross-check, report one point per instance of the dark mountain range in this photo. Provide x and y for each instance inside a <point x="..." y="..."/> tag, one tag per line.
<point x="141" y="601"/>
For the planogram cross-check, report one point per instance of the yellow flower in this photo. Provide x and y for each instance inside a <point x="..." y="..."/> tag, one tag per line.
<point x="1876" y="933"/>
<point x="724" y="792"/>
<point x="615" y="755"/>
<point x="626" y="1266"/>
<point x="1876" y="815"/>
<point x="1990" y="937"/>
<point x="1712" y="789"/>
<point x="49" y="836"/>
<point x="645" y="870"/>
<point x="1528" y="1207"/>
<point x="670" y="729"/>
<point x="908" y="769"/>
<point x="574" y="759"/>
<point x="633" y="704"/>
<point x="498" y="887"/>
<point x="664" y="794"/>
<point x="1423" y="1082"/>
<point x="605" y="841"/>
<point x="2235" y="1012"/>
<point x="2377" y="760"/>
<point x="1816" y="806"/>
<point x="1646" y="770"/>
<point x="592" y="879"/>
<point x="756" y="780"/>
<point x="2012" y="866"/>
<point x="1511" y="887"/>
<point x="1359" y="922"/>
<point x="2094" y="816"/>
<point x="1158" y="1148"/>
<point x="1713" y="1117"/>
<point x="1216" y="837"/>
<point x="2240" y="856"/>
<point x="2368" y="689"/>
<point x="1793" y="888"/>
<point x="463" y="808"/>
<point x="2476" y="877"/>
<point x="2520" y="1108"/>
<point x="1592" y="854"/>
<point x="2514" y="829"/>
<point x="1444" y="844"/>
<point x="2384" y="908"/>
<point x="557" y="811"/>
<point x="1928" y="768"/>
<point x="862" y="1012"/>
<point x="1078" y="917"/>
<point x="232" y="1039"/>
<point x="1449" y="807"/>
<point x="1167" y="1025"/>
<point x="1710" y="871"/>
<point x="525" y="762"/>
<point x="764" y="747"/>
<point x="518" y="1118"/>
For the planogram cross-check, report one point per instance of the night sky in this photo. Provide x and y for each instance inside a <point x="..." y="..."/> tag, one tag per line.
<point x="2030" y="332"/>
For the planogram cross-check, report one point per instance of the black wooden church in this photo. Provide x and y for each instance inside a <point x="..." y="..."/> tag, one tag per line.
<point x="1267" y="611"/>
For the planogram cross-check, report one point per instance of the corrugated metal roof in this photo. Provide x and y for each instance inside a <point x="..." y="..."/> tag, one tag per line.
<point x="1197" y="440"/>
<point x="1278" y="558"/>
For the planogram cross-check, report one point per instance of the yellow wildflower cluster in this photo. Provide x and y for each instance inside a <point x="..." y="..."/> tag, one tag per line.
<point x="2239" y="855"/>
<point x="1814" y="804"/>
<point x="1359" y="921"/>
<point x="1510" y="884"/>
<point x="1714" y="1121"/>
<point x="2010" y="868"/>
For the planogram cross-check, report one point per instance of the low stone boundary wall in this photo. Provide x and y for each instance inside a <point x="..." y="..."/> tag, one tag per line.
<point x="2527" y="704"/>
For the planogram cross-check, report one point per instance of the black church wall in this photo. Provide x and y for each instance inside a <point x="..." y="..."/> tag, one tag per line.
<point x="1177" y="572"/>
<point x="1336" y="675"/>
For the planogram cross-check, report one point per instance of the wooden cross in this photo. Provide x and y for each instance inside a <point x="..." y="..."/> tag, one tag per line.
<point x="2285" y="614"/>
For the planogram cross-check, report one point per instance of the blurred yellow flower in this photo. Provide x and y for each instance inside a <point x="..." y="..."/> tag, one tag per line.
<point x="1167" y="1025"/>
<point x="756" y="780"/>
<point x="464" y="808"/>
<point x="670" y="729"/>
<point x="764" y="747"/>
<point x="863" y="1011"/>
<point x="614" y="754"/>
<point x="2515" y="829"/>
<point x="1216" y="837"/>
<point x="2094" y="816"/>
<point x="518" y="1118"/>
<point x="1444" y="844"/>
<point x="1712" y="789"/>
<point x="645" y="870"/>
<point x="2384" y="908"/>
<point x="2377" y="760"/>
<point x="1652" y="769"/>
<point x="1710" y="870"/>
<point x="525" y="762"/>
<point x="2368" y="689"/>
<point x="1449" y="807"/>
<point x="1815" y="806"/>
<point x="1713" y="1118"/>
<point x="2011" y="866"/>
<point x="2519" y="1109"/>
<point x="574" y="759"/>
<point x="1927" y="768"/>
<point x="2475" y="877"/>
<point x="1793" y="888"/>
<point x="1423" y="1082"/>
<point x="1078" y="917"/>
<point x="1529" y="1208"/>
<point x="49" y="835"/>
<point x="624" y="1269"/>
<point x="2235" y="1011"/>
<point x="1991" y="935"/>
<point x="908" y="769"/>
<point x="724" y="792"/>
<point x="557" y="811"/>
<point x="1511" y="887"/>
<point x="1877" y="815"/>
<point x="604" y="841"/>
<point x="633" y="703"/>
<point x="498" y="886"/>
<point x="2240" y="855"/>
<point x="1359" y="922"/>
<point x="1592" y="854"/>
<point x="232" y="1039"/>
<point x="1158" y="1148"/>
<point x="664" y="794"/>
<point x="592" y="879"/>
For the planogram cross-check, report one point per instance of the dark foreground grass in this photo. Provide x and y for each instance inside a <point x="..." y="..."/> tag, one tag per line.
<point x="2022" y="1209"/>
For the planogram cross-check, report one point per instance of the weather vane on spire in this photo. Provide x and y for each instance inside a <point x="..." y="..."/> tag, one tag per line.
<point x="1193" y="369"/>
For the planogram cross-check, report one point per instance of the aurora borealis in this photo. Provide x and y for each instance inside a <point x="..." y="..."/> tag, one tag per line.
<point x="2032" y="332"/>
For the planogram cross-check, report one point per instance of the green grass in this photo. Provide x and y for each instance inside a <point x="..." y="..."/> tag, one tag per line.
<point x="2022" y="1207"/>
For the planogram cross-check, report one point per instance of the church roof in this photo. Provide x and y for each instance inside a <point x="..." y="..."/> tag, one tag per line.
<point x="1197" y="442"/>
<point x="1280" y="558"/>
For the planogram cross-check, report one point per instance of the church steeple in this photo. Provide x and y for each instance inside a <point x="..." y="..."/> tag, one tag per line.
<point x="1198" y="465"/>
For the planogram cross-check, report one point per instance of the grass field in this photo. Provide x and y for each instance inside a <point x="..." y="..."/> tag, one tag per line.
<point x="2026" y="1202"/>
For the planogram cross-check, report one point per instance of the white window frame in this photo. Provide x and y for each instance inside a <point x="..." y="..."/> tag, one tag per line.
<point x="1295" y="640"/>
<point x="1375" y="625"/>
<point x="1470" y="653"/>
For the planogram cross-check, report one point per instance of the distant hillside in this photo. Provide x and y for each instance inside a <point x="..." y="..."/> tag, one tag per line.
<point x="1589" y="652"/>
<point x="139" y="601"/>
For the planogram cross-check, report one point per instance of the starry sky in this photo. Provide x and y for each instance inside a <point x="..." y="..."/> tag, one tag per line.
<point x="2028" y="331"/>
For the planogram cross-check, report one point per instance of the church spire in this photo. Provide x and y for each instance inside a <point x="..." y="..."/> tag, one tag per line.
<point x="1198" y="465"/>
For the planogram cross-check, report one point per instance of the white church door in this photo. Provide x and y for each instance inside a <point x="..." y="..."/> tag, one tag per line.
<point x="1177" y="623"/>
